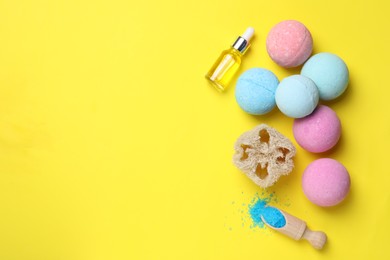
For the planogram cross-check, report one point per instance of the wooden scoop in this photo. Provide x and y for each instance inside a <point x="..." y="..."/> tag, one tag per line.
<point x="297" y="229"/>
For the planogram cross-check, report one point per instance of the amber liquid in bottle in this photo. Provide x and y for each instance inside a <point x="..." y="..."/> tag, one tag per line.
<point x="226" y="66"/>
<point x="224" y="69"/>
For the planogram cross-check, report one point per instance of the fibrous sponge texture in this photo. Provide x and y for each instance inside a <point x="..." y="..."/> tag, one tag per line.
<point x="264" y="155"/>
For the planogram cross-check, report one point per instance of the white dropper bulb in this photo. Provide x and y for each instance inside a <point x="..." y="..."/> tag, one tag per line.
<point x="248" y="34"/>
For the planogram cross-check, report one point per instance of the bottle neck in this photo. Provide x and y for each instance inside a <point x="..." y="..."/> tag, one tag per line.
<point x="241" y="45"/>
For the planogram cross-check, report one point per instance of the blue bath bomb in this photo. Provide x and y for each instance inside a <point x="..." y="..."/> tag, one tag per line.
<point x="296" y="96"/>
<point x="329" y="72"/>
<point x="255" y="91"/>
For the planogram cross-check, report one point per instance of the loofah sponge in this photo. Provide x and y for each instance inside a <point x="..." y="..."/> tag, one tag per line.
<point x="264" y="154"/>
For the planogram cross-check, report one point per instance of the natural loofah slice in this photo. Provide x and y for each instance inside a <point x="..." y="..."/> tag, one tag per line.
<point x="264" y="155"/>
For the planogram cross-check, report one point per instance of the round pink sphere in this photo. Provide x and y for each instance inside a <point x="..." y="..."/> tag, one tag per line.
<point x="326" y="182"/>
<point x="289" y="43"/>
<point x="319" y="131"/>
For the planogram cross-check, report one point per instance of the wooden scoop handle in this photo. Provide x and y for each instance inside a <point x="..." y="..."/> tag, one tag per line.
<point x="316" y="238"/>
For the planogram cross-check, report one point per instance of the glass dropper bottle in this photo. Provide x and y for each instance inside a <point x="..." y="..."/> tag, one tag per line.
<point x="226" y="66"/>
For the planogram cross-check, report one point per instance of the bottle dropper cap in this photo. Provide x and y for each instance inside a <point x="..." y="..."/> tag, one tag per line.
<point x="242" y="42"/>
<point x="248" y="34"/>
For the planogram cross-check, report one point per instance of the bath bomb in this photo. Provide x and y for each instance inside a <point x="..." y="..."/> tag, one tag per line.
<point x="289" y="43"/>
<point x="319" y="131"/>
<point x="296" y="96"/>
<point x="329" y="72"/>
<point x="255" y="91"/>
<point x="326" y="182"/>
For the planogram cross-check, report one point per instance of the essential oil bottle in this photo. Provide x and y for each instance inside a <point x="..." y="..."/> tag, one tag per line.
<point x="226" y="66"/>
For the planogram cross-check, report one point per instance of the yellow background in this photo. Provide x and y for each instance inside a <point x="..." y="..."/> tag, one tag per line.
<point x="114" y="146"/>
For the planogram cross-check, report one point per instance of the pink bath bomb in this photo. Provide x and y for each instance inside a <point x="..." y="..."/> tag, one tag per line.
<point x="326" y="182"/>
<point x="319" y="131"/>
<point x="289" y="43"/>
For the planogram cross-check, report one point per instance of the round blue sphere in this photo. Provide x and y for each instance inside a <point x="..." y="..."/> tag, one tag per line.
<point x="329" y="72"/>
<point x="255" y="91"/>
<point x="297" y="96"/>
